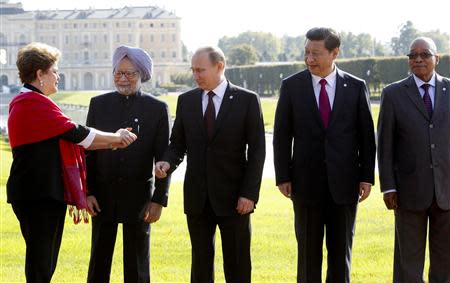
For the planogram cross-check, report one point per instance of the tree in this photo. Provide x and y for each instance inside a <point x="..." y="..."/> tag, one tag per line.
<point x="243" y="54"/>
<point x="267" y="45"/>
<point x="292" y="48"/>
<point x="400" y="44"/>
<point x="441" y="39"/>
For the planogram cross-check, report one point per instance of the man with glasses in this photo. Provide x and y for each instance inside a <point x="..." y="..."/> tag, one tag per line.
<point x="414" y="165"/>
<point x="120" y="182"/>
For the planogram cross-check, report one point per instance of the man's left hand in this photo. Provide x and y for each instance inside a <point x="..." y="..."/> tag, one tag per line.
<point x="364" y="190"/>
<point x="152" y="212"/>
<point x="245" y="205"/>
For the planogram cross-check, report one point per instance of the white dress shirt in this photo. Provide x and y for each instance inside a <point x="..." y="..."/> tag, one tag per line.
<point x="330" y="87"/>
<point x="217" y="98"/>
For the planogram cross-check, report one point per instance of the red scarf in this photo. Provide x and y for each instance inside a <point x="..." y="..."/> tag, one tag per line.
<point x="33" y="117"/>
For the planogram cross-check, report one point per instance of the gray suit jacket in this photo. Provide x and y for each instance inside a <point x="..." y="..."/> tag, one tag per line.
<point x="414" y="149"/>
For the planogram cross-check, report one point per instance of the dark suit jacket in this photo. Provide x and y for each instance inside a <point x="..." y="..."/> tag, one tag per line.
<point x="231" y="164"/>
<point x="122" y="180"/>
<point x="414" y="150"/>
<point x="304" y="149"/>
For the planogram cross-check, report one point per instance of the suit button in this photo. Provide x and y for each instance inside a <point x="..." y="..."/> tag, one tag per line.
<point x="431" y="126"/>
<point x="431" y="166"/>
<point x="122" y="159"/>
<point x="433" y="145"/>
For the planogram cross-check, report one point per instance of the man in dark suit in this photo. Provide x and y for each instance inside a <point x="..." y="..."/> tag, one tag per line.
<point x="220" y="128"/>
<point x="324" y="156"/>
<point x="120" y="182"/>
<point x="414" y="165"/>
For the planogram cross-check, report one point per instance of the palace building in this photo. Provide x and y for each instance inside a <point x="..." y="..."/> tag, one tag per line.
<point x="87" y="39"/>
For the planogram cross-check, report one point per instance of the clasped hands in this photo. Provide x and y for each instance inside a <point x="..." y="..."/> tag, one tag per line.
<point x="126" y="137"/>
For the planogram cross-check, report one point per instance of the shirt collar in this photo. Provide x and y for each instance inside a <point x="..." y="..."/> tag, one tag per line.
<point x="432" y="81"/>
<point x="220" y="89"/>
<point x="331" y="78"/>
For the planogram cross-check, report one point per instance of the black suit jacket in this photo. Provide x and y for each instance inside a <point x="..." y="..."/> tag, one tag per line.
<point x="304" y="150"/>
<point x="414" y="151"/>
<point x="122" y="180"/>
<point x="231" y="164"/>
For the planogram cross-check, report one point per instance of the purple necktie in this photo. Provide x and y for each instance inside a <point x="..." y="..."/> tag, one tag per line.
<point x="427" y="100"/>
<point x="210" y="115"/>
<point x="324" y="104"/>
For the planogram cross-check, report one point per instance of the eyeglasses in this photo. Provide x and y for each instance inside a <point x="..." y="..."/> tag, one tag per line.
<point x="423" y="55"/>
<point x="128" y="74"/>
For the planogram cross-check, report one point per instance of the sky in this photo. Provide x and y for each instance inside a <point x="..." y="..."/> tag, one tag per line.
<point x="203" y="22"/>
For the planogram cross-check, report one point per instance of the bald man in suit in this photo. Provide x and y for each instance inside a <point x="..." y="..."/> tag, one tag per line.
<point x="414" y="165"/>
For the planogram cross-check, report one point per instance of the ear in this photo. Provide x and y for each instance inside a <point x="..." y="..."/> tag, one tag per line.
<point x="39" y="74"/>
<point x="335" y="52"/>
<point x="220" y="65"/>
<point x="437" y="59"/>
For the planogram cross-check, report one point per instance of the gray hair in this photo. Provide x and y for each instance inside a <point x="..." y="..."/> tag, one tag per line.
<point x="427" y="40"/>
<point x="215" y="54"/>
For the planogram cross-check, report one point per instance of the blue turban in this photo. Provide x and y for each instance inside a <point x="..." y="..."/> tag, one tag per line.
<point x="139" y="57"/>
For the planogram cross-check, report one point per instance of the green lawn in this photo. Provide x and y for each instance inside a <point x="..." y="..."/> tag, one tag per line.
<point x="273" y="243"/>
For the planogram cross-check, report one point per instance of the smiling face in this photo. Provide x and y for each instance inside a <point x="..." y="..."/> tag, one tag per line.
<point x="318" y="58"/>
<point x="423" y="59"/>
<point x="48" y="80"/>
<point x="126" y="78"/>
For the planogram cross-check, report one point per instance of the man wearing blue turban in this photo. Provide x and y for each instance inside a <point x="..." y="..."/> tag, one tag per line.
<point x="120" y="182"/>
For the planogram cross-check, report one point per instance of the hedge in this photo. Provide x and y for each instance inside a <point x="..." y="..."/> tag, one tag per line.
<point x="377" y="71"/>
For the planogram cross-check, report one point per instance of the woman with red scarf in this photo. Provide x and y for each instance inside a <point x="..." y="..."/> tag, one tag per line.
<point x="48" y="169"/>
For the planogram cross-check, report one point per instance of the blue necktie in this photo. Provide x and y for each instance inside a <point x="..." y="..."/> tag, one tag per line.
<point x="427" y="100"/>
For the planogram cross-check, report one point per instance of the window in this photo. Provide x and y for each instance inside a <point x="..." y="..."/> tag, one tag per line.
<point x="174" y="37"/>
<point x="173" y="25"/>
<point x="151" y="38"/>
<point x="163" y="54"/>
<point x="174" y="54"/>
<point x="117" y="37"/>
<point x="163" y="38"/>
<point x="104" y="25"/>
<point x="86" y="25"/>
<point x="151" y="25"/>
<point x="105" y="38"/>
<point x="75" y="25"/>
<point x="129" y="25"/>
<point x="75" y="56"/>
<point x="66" y="39"/>
<point x="54" y="39"/>
<point x="162" y="25"/>
<point x="86" y="38"/>
<point x="130" y="38"/>
<point x="141" y="38"/>
<point x="117" y="25"/>
<point x="86" y="56"/>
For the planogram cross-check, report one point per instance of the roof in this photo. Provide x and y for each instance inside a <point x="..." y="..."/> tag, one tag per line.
<point x="142" y="12"/>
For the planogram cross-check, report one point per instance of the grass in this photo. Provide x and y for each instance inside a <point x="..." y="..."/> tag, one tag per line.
<point x="273" y="242"/>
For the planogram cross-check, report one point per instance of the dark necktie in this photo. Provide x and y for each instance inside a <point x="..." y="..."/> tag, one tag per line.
<point x="427" y="99"/>
<point x="210" y="115"/>
<point x="324" y="103"/>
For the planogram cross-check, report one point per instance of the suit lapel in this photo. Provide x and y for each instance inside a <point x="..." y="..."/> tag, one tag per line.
<point x="440" y="98"/>
<point x="198" y="111"/>
<point x="311" y="99"/>
<point x="224" y="107"/>
<point x="414" y="95"/>
<point x="341" y="85"/>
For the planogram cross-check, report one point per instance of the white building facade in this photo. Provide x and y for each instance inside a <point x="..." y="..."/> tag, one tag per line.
<point x="87" y="40"/>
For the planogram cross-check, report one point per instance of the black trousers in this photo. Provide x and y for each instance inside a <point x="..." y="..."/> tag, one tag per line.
<point x="136" y="251"/>
<point x="337" y="223"/>
<point x="42" y="225"/>
<point x="235" y="232"/>
<point x="410" y="242"/>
